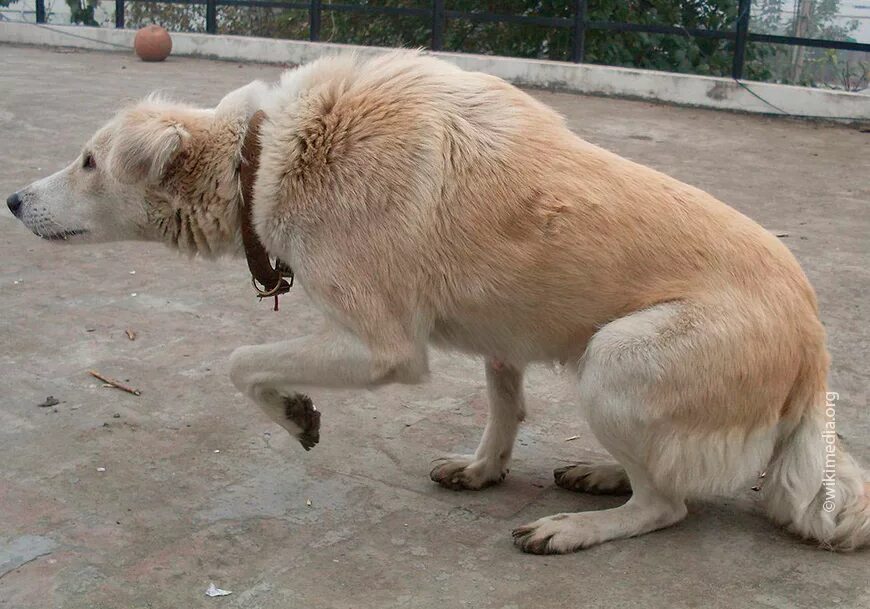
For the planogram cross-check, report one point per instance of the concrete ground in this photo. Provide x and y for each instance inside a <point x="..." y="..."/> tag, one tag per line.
<point x="199" y="487"/>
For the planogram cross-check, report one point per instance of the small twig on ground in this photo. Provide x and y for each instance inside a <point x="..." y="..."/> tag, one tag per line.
<point x="114" y="383"/>
<point x="572" y="438"/>
<point x="26" y="562"/>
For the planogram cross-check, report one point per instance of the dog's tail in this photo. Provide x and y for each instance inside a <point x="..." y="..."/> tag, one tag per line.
<point x="812" y="485"/>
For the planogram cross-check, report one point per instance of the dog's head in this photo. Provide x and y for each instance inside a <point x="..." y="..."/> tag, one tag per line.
<point x="143" y="176"/>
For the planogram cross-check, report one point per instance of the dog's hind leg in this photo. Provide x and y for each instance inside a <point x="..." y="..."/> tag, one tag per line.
<point x="686" y="396"/>
<point x="617" y="372"/>
<point x="647" y="510"/>
<point x="594" y="478"/>
<point x="489" y="464"/>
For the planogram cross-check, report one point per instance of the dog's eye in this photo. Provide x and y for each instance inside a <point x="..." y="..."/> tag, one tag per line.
<point x="89" y="162"/>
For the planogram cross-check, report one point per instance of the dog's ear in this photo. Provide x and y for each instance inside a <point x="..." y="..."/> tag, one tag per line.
<point x="144" y="144"/>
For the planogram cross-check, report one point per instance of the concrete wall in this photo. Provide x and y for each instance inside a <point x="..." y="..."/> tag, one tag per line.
<point x="702" y="91"/>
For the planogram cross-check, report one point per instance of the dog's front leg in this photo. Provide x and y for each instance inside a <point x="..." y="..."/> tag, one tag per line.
<point x="272" y="374"/>
<point x="489" y="464"/>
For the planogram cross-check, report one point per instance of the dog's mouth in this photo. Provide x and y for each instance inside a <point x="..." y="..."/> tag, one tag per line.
<point x="63" y="235"/>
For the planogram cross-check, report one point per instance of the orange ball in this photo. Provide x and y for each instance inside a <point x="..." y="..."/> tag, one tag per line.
<point x="152" y="43"/>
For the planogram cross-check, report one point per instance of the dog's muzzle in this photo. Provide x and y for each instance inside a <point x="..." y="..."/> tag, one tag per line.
<point x="14" y="202"/>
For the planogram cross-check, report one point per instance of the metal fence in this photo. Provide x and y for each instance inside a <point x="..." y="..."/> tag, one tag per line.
<point x="579" y="25"/>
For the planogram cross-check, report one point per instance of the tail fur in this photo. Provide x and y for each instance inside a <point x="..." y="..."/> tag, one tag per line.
<point x="813" y="486"/>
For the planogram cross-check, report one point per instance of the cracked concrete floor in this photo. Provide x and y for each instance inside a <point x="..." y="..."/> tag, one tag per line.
<point x="170" y="513"/>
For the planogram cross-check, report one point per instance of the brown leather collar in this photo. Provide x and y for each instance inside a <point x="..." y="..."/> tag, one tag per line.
<point x="262" y="271"/>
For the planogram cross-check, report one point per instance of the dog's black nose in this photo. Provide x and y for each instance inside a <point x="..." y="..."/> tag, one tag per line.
<point x="14" y="203"/>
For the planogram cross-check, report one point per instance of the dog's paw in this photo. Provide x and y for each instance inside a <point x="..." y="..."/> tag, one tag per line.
<point x="595" y="478"/>
<point x="300" y="410"/>
<point x="466" y="473"/>
<point x="559" y="534"/>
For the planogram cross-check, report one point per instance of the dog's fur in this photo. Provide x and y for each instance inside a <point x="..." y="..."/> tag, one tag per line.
<point x="420" y="203"/>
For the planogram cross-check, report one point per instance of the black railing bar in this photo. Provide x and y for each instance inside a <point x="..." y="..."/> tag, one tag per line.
<point x="843" y="45"/>
<point x="521" y="19"/>
<point x="190" y="2"/>
<point x="314" y="15"/>
<point x="615" y="26"/>
<point x="304" y="6"/>
<point x="381" y="10"/>
<point x="439" y="22"/>
<point x="211" y="17"/>
<point x="741" y="29"/>
<point x="578" y="32"/>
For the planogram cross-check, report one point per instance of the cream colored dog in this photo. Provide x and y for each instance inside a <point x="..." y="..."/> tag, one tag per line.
<point x="420" y="203"/>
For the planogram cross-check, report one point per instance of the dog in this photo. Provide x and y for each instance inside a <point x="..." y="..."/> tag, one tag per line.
<point x="419" y="204"/>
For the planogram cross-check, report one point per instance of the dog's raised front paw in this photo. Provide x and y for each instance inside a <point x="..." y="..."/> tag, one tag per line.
<point x="466" y="473"/>
<point x="299" y="409"/>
